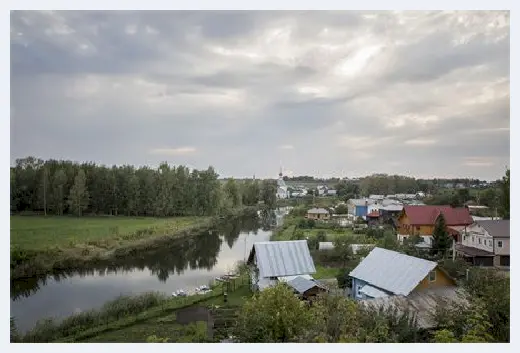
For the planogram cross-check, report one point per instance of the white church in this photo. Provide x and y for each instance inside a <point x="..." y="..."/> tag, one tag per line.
<point x="281" y="191"/>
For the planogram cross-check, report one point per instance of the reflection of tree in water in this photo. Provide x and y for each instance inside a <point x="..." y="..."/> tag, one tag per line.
<point x="172" y="257"/>
<point x="267" y="219"/>
<point x="231" y="230"/>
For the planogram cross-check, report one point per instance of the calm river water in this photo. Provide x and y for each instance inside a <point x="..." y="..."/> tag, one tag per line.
<point x="181" y="265"/>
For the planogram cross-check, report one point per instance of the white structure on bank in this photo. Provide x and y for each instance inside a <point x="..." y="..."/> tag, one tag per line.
<point x="281" y="192"/>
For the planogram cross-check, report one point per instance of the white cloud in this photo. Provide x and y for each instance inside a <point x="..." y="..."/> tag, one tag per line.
<point x="286" y="147"/>
<point x="420" y="142"/>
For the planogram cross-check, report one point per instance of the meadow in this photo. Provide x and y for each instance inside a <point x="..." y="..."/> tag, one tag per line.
<point x="40" y="233"/>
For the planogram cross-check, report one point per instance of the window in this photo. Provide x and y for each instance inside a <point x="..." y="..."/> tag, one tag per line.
<point x="432" y="276"/>
<point x="485" y="242"/>
<point x="358" y="291"/>
<point x="479" y="241"/>
<point x="473" y="239"/>
<point x="499" y="243"/>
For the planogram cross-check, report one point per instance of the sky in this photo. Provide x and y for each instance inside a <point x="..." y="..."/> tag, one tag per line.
<point x="338" y="93"/>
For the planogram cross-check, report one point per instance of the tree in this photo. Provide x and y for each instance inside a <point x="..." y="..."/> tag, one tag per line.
<point x="273" y="315"/>
<point x="58" y="187"/>
<point x="268" y="192"/>
<point x="232" y="192"/>
<point x="45" y="186"/>
<point x="505" y="195"/>
<point x="441" y="239"/>
<point x="341" y="209"/>
<point x="78" y="197"/>
<point x="343" y="248"/>
<point x="463" y="195"/>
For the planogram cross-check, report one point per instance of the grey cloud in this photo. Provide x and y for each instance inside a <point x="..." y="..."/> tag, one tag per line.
<point x="111" y="86"/>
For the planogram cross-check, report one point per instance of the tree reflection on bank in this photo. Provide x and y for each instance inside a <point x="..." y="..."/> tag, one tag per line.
<point x="173" y="258"/>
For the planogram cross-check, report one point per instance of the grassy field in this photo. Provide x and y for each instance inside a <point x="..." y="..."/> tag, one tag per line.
<point x="323" y="272"/>
<point x="37" y="233"/>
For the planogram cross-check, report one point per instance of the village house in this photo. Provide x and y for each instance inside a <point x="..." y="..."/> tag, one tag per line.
<point x="385" y="273"/>
<point x="318" y="214"/>
<point x="373" y="218"/>
<point x="485" y="243"/>
<point x="289" y="262"/>
<point x="359" y="207"/>
<point x="419" y="220"/>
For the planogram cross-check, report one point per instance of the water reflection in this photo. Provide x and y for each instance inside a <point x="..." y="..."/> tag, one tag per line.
<point x="173" y="258"/>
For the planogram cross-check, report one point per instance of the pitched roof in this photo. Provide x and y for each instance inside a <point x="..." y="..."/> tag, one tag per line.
<point x="373" y="292"/>
<point x="427" y="214"/>
<point x="496" y="228"/>
<point x="302" y="285"/>
<point x="318" y="210"/>
<point x="422" y="303"/>
<point x="282" y="258"/>
<point x="392" y="271"/>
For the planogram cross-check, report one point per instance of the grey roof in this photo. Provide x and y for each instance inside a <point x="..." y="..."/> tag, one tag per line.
<point x="392" y="208"/>
<point x="496" y="228"/>
<point x="301" y="285"/>
<point x="361" y="202"/>
<point x="421" y="303"/>
<point x="392" y="271"/>
<point x="283" y="258"/>
<point x="373" y="292"/>
<point x="318" y="210"/>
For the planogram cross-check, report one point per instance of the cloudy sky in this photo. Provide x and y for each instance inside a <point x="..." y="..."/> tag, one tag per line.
<point x="323" y="93"/>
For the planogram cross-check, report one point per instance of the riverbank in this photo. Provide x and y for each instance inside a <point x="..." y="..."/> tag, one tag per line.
<point x="44" y="245"/>
<point x="134" y="319"/>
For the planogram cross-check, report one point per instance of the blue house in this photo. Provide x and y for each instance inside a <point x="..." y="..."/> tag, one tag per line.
<point x="385" y="273"/>
<point x="359" y="207"/>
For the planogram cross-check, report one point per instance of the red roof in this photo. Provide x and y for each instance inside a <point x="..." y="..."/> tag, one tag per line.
<point x="373" y="214"/>
<point x="427" y="215"/>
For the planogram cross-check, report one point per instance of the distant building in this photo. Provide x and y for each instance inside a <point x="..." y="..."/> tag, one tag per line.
<point x="318" y="214"/>
<point x="282" y="191"/>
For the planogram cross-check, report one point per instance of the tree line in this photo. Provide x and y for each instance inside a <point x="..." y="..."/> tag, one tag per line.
<point x="62" y="187"/>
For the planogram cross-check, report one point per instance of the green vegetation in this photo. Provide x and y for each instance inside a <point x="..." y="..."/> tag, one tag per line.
<point x="323" y="272"/>
<point x="137" y="319"/>
<point x="40" y="233"/>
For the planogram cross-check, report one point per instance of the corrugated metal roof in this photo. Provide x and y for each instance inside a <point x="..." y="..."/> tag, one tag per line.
<point x="392" y="271"/>
<point x="422" y="303"/>
<point x="372" y="292"/>
<point x="283" y="258"/>
<point x="301" y="285"/>
<point x="290" y="278"/>
<point x="392" y="208"/>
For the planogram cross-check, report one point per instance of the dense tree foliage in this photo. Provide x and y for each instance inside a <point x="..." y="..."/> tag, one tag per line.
<point x="505" y="195"/>
<point x="66" y="187"/>
<point x="441" y="239"/>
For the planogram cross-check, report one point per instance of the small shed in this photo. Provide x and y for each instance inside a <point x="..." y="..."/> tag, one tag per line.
<point x="306" y="288"/>
<point x="318" y="214"/>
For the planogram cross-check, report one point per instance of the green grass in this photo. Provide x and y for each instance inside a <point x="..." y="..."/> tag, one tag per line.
<point x="161" y="320"/>
<point x="323" y="272"/>
<point x="38" y="233"/>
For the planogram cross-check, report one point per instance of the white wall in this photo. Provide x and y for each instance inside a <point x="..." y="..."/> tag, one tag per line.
<point x="477" y="237"/>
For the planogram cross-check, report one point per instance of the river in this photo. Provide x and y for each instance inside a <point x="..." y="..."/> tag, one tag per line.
<point x="180" y="265"/>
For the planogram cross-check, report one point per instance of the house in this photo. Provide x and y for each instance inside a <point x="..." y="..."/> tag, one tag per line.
<point x="359" y="207"/>
<point x="485" y="243"/>
<point x="390" y="211"/>
<point x="419" y="220"/>
<point x="318" y="214"/>
<point x="279" y="261"/>
<point x="331" y="192"/>
<point x="373" y="218"/>
<point x="385" y="273"/>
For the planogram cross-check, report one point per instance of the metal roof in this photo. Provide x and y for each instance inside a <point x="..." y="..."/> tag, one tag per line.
<point x="361" y="202"/>
<point x="422" y="303"/>
<point x="496" y="228"/>
<point x="318" y="210"/>
<point x="392" y="271"/>
<point x="283" y="258"/>
<point x="392" y="208"/>
<point x="301" y="285"/>
<point x="372" y="292"/>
